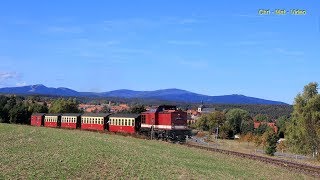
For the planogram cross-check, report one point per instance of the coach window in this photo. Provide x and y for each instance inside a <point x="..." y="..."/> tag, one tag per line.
<point x="132" y="122"/>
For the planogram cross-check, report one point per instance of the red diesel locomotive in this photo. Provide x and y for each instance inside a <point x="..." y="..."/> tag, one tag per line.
<point x="164" y="122"/>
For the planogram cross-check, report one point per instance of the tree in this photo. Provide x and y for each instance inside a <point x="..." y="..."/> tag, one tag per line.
<point x="137" y="109"/>
<point x="215" y="120"/>
<point x="247" y="126"/>
<point x="3" y="110"/>
<point x="37" y="108"/>
<point x="282" y="124"/>
<point x="202" y="123"/>
<point x="19" y="114"/>
<point x="64" y="106"/>
<point x="248" y="137"/>
<point x="209" y="122"/>
<point x="235" y="118"/>
<point x="261" y="129"/>
<point x="272" y="139"/>
<point x="304" y="128"/>
<point x="226" y="131"/>
<point x="262" y="118"/>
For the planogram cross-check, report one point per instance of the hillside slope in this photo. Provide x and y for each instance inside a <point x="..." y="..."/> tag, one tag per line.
<point x="40" y="153"/>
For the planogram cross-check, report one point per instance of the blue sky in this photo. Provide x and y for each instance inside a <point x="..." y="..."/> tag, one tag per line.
<point x="208" y="47"/>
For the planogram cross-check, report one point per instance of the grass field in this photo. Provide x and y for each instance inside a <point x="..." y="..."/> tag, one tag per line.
<point x="39" y="153"/>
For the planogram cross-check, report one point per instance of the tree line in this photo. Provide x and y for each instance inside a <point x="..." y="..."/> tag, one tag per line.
<point x="227" y="124"/>
<point x="18" y="109"/>
<point x="301" y="128"/>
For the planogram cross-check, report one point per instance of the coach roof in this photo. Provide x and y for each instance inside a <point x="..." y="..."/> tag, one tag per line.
<point x="53" y="114"/>
<point x="125" y="115"/>
<point x="72" y="114"/>
<point x="38" y="114"/>
<point x="95" y="115"/>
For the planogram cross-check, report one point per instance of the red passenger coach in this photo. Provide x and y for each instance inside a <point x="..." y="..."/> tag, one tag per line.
<point x="71" y="120"/>
<point x="93" y="121"/>
<point x="127" y="123"/>
<point x="37" y="119"/>
<point x="52" y="120"/>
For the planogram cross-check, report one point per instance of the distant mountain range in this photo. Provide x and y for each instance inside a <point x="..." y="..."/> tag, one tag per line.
<point x="177" y="95"/>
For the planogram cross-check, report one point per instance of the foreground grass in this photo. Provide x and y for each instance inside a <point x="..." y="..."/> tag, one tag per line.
<point x="40" y="153"/>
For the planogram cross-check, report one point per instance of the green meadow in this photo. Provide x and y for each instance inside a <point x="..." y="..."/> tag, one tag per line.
<point x="28" y="152"/>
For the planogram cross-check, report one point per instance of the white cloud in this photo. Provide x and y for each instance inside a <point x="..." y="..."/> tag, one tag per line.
<point x="7" y="75"/>
<point x="193" y="64"/>
<point x="65" y="29"/>
<point x="193" y="43"/>
<point x="243" y="43"/>
<point x="21" y="84"/>
<point x="289" y="52"/>
<point x="189" y="21"/>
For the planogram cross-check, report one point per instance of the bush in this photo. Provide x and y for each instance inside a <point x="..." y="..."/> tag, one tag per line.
<point x="271" y="147"/>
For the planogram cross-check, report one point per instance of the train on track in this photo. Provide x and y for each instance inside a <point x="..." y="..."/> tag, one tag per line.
<point x="165" y="122"/>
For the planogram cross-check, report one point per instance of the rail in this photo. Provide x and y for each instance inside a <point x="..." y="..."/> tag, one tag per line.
<point x="303" y="168"/>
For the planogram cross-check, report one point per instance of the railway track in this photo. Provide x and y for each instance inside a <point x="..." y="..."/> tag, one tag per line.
<point x="303" y="168"/>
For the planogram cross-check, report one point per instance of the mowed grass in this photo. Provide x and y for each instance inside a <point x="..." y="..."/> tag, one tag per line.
<point x="28" y="152"/>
